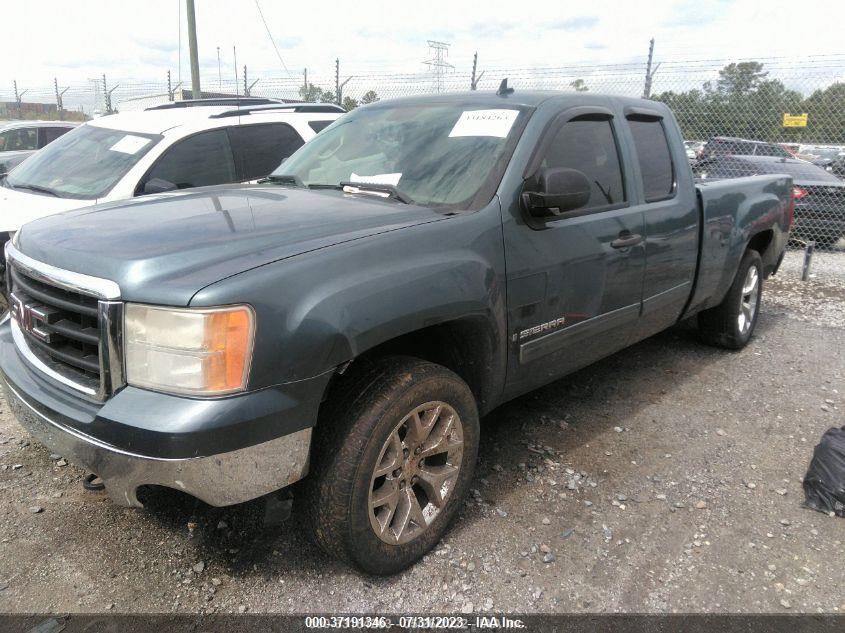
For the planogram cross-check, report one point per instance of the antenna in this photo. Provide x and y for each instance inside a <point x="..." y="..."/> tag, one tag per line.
<point x="503" y="88"/>
<point x="439" y="51"/>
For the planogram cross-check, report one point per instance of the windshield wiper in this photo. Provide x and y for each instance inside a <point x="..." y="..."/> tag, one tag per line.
<point x="35" y="188"/>
<point x="285" y="179"/>
<point x="392" y="191"/>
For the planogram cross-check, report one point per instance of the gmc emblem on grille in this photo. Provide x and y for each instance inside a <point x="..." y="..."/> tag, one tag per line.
<point x="31" y="317"/>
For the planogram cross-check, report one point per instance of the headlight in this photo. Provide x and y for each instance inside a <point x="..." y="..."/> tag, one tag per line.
<point x="189" y="351"/>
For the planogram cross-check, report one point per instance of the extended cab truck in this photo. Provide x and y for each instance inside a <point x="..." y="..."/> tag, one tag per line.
<point x="418" y="263"/>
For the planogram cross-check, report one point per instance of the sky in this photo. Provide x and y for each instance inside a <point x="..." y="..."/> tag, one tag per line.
<point x="134" y="40"/>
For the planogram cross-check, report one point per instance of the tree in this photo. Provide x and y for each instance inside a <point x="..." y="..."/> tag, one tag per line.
<point x="737" y="80"/>
<point x="826" y="114"/>
<point x="369" y="97"/>
<point x="349" y="104"/>
<point x="310" y="93"/>
<point x="579" y="86"/>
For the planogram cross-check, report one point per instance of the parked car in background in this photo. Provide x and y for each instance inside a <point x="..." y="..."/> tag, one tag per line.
<point x="693" y="148"/>
<point x="164" y="148"/>
<point x="831" y="159"/>
<point x="730" y="145"/>
<point x="419" y="263"/>
<point x="819" y="195"/>
<point x="20" y="139"/>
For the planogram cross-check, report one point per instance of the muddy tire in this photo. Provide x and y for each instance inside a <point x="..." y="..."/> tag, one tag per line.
<point x="731" y="323"/>
<point x="393" y="456"/>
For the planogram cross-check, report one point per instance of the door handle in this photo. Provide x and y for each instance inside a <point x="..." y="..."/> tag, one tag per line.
<point x="626" y="240"/>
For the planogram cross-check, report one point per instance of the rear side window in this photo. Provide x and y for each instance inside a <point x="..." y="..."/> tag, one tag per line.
<point x="772" y="150"/>
<point x="19" y="139"/>
<point x="654" y="157"/>
<point x="260" y="149"/>
<point x="590" y="147"/>
<point x="50" y="134"/>
<point x="199" y="160"/>
<point x="319" y="126"/>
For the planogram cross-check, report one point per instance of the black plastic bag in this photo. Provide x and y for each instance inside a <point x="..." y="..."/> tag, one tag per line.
<point x="824" y="483"/>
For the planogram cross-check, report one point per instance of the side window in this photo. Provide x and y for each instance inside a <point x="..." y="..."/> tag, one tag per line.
<point x="319" y="126"/>
<point x="771" y="150"/>
<point x="19" y="139"/>
<point x="654" y="157"/>
<point x="199" y="160"/>
<point x="50" y="134"/>
<point x="259" y="149"/>
<point x="590" y="147"/>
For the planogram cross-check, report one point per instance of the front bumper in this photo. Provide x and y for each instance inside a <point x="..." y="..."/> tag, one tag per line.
<point x="223" y="451"/>
<point x="220" y="480"/>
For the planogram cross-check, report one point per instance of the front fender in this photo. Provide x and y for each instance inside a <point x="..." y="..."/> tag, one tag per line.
<point x="320" y="309"/>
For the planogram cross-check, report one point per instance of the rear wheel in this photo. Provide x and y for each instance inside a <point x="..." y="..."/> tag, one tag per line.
<point x="394" y="455"/>
<point x="731" y="323"/>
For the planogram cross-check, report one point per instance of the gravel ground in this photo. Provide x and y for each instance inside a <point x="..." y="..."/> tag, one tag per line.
<point x="665" y="478"/>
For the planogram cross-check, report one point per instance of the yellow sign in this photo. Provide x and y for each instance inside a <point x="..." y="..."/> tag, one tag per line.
<point x="794" y="120"/>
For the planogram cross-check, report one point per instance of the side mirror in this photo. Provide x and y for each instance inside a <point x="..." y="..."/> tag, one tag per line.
<point x="158" y="185"/>
<point x="561" y="190"/>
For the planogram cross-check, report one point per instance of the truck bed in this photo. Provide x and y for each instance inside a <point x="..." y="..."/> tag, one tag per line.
<point x="732" y="211"/>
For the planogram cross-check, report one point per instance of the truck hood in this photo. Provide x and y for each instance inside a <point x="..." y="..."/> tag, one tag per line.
<point x="19" y="206"/>
<point x="164" y="249"/>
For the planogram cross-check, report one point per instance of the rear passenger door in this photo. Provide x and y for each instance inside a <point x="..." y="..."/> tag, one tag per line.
<point x="574" y="281"/>
<point x="259" y="149"/>
<point x="664" y="193"/>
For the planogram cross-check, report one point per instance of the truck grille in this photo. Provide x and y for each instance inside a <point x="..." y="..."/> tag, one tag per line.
<point x="66" y="325"/>
<point x="58" y="324"/>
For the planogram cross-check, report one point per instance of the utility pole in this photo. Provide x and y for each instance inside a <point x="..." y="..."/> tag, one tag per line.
<point x="192" y="50"/>
<point x="248" y="88"/>
<point x="219" y="75"/>
<point x="338" y="86"/>
<point x="235" y="66"/>
<point x="305" y="85"/>
<point x="473" y="85"/>
<point x="107" y="95"/>
<point x="59" y="101"/>
<point x="439" y="51"/>
<point x="649" y="73"/>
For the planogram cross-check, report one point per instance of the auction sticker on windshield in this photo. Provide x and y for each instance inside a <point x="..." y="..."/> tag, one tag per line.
<point x="484" y="123"/>
<point x="377" y="179"/>
<point x="129" y="144"/>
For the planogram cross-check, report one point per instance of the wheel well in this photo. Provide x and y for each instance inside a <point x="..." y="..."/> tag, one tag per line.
<point x="761" y="241"/>
<point x="465" y="346"/>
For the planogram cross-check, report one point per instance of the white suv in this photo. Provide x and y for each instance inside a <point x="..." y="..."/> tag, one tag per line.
<point x="174" y="146"/>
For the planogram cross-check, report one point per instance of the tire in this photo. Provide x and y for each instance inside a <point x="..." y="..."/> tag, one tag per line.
<point x="364" y="454"/>
<point x="731" y="323"/>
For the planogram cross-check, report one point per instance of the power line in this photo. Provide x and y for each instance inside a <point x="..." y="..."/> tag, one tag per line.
<point x="270" y="35"/>
<point x="439" y="50"/>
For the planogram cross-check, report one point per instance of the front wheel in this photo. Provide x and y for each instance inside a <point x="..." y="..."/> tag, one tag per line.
<point x="731" y="323"/>
<point x="395" y="451"/>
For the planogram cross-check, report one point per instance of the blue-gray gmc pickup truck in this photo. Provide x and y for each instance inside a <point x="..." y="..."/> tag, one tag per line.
<point x="346" y="324"/>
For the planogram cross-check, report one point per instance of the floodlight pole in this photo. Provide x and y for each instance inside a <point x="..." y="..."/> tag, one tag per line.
<point x="192" y="50"/>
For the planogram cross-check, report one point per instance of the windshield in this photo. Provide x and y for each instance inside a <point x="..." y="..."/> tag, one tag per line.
<point x="436" y="155"/>
<point x="84" y="163"/>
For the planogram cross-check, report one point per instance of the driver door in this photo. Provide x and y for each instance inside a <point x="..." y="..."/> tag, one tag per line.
<point x="574" y="281"/>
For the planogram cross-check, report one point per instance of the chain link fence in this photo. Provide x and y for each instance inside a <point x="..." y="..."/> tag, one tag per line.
<point x="739" y="118"/>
